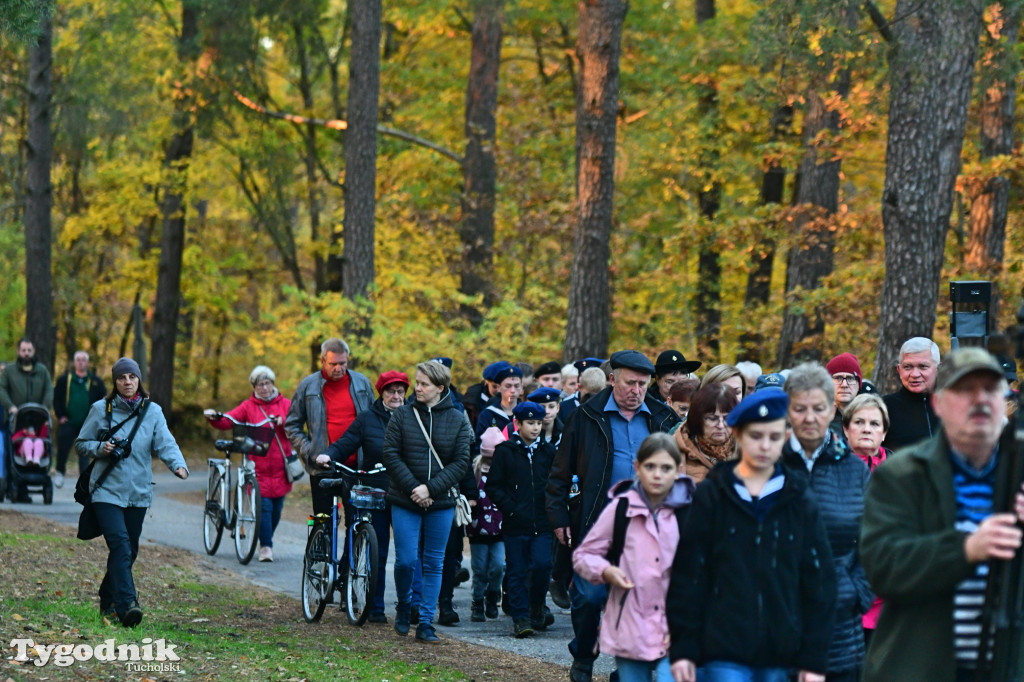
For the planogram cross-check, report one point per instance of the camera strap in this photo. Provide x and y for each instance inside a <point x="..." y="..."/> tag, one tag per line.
<point x="140" y="412"/>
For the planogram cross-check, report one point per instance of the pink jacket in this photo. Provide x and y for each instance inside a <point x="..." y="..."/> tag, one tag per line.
<point x="870" y="619"/>
<point x="634" y="624"/>
<point x="270" y="467"/>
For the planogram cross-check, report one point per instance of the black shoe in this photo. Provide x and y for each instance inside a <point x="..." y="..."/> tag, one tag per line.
<point x="477" y="613"/>
<point x="377" y="617"/>
<point x="425" y="633"/>
<point x="521" y="628"/>
<point x="538" y="618"/>
<point x="461" y="576"/>
<point x="581" y="671"/>
<point x="402" y="619"/>
<point x="559" y="594"/>
<point x="549" y="618"/>
<point x="133" y="616"/>
<point x="491" y="604"/>
<point x="447" y="615"/>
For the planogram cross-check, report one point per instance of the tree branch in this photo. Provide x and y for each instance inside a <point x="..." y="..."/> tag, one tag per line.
<point x="878" y="19"/>
<point x="337" y="124"/>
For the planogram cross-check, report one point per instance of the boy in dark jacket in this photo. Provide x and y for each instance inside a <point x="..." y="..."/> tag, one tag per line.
<point x="516" y="484"/>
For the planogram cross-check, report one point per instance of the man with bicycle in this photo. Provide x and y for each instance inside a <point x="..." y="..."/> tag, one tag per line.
<point x="324" y="406"/>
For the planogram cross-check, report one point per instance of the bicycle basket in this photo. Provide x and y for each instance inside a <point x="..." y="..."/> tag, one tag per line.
<point x="365" y="497"/>
<point x="252" y="440"/>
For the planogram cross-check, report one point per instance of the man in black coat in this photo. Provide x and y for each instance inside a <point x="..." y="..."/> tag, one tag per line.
<point x="598" y="446"/>
<point x="911" y="416"/>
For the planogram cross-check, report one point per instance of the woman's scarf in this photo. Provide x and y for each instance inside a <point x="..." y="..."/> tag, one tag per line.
<point x="702" y="451"/>
<point x="269" y="399"/>
<point x="130" y="403"/>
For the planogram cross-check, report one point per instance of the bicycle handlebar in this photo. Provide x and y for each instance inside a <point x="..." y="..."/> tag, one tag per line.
<point x="338" y="467"/>
<point x="223" y="415"/>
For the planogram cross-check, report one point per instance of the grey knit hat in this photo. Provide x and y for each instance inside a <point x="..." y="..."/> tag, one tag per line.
<point x="126" y="366"/>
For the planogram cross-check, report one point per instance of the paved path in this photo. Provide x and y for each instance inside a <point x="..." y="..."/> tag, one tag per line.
<point x="179" y="524"/>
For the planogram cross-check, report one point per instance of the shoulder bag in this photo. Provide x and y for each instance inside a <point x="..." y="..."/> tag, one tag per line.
<point x="88" y="524"/>
<point x="463" y="512"/>
<point x="293" y="469"/>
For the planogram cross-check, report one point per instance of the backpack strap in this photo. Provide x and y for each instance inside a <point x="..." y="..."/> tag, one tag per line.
<point x="618" y="533"/>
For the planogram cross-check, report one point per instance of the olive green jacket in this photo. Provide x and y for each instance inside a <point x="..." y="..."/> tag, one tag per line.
<point x="914" y="559"/>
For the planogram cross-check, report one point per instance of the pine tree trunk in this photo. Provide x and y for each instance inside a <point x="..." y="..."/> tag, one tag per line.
<point x="989" y="197"/>
<point x="479" y="173"/>
<point x="177" y="156"/>
<point x="931" y="67"/>
<point x="39" y="326"/>
<point x="597" y="101"/>
<point x="324" y="278"/>
<point x="357" y="270"/>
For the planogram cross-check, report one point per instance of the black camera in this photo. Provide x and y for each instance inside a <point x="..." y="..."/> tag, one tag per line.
<point x="121" y="448"/>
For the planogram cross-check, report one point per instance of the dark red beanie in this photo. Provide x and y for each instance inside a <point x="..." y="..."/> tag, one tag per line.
<point x="845" y="363"/>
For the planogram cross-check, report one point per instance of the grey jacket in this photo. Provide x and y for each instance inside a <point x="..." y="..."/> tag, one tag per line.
<point x="306" y="423"/>
<point x="130" y="482"/>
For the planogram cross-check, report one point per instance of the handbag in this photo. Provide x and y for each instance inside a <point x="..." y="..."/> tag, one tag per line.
<point x="463" y="512"/>
<point x="293" y="469"/>
<point x="88" y="524"/>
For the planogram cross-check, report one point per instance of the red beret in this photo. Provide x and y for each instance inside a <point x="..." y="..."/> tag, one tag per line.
<point x="391" y="377"/>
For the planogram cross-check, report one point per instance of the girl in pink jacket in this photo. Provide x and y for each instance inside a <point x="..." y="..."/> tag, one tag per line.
<point x="634" y="628"/>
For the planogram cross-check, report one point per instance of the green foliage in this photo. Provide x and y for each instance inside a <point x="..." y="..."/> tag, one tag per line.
<point x="19" y="19"/>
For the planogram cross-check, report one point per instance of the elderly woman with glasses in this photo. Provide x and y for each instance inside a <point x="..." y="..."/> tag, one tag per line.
<point x="265" y="401"/>
<point x="704" y="439"/>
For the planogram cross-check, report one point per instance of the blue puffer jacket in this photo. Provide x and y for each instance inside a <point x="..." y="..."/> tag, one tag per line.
<point x="130" y="482"/>
<point x="837" y="482"/>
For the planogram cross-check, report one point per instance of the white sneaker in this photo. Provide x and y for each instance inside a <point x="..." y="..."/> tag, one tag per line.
<point x="266" y="554"/>
<point x="58" y="479"/>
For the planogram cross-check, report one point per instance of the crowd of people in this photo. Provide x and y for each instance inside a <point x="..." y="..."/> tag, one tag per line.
<point x="744" y="525"/>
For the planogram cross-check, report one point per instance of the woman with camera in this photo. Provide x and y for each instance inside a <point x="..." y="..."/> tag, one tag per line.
<point x="266" y="402"/>
<point x="122" y="433"/>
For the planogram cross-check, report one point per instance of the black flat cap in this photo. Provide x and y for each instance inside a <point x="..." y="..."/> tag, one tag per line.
<point x="631" y="359"/>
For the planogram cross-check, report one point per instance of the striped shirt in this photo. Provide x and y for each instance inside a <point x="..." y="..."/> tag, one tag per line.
<point x="974" y="492"/>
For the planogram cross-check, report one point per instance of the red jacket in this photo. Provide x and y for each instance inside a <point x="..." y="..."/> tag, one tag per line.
<point x="269" y="468"/>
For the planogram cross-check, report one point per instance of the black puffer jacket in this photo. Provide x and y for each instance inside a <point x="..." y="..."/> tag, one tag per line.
<point x="837" y="482"/>
<point x="758" y="593"/>
<point x="516" y="485"/>
<point x="366" y="432"/>
<point x="407" y="455"/>
<point x="586" y="451"/>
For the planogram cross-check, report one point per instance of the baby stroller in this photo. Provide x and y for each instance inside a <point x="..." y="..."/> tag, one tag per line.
<point x="25" y="476"/>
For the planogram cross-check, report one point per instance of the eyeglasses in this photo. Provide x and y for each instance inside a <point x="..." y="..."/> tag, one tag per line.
<point x="712" y="419"/>
<point x="848" y="380"/>
<point x="266" y="383"/>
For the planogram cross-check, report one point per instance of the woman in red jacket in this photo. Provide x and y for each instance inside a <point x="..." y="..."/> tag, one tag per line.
<point x="265" y="401"/>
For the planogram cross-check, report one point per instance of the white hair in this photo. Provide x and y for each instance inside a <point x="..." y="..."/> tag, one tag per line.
<point x="919" y="344"/>
<point x="750" y="370"/>
<point x="82" y="353"/>
<point x="569" y="371"/>
<point x="261" y="372"/>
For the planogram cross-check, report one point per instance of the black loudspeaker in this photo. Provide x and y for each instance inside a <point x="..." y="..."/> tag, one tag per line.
<point x="968" y="321"/>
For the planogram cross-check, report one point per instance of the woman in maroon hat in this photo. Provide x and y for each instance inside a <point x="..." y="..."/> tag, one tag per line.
<point x="366" y="436"/>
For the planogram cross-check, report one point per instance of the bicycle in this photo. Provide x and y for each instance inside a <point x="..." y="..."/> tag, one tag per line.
<point x="322" y="568"/>
<point x="241" y="511"/>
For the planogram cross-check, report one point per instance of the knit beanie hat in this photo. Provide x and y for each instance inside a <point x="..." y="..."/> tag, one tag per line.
<point x="126" y="366"/>
<point x="845" y="363"/>
<point x="489" y="440"/>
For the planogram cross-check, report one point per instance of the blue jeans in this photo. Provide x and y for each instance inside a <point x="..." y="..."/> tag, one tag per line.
<point x="270" y="516"/>
<point x="631" y="670"/>
<point x="727" y="671"/>
<point x="407" y="525"/>
<point x="587" y="601"/>
<point x="528" y="564"/>
<point x="488" y="564"/>
<point x="121" y="527"/>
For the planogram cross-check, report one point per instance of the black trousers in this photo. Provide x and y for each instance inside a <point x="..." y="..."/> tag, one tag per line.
<point x="121" y="528"/>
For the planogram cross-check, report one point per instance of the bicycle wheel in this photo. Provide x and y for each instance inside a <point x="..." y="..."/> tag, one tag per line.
<point x="362" y="573"/>
<point x="317" y="581"/>
<point x="213" y="516"/>
<point x="247" y="517"/>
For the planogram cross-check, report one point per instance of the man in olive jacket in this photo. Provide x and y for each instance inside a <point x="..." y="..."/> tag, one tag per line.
<point x="930" y="529"/>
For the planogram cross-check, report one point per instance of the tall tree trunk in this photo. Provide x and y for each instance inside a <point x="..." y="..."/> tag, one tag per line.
<point x="762" y="259"/>
<point x="989" y="197"/>
<point x="597" y="103"/>
<point x="361" y="151"/>
<point x="811" y="255"/>
<point x="709" y="267"/>
<point x="931" y="66"/>
<point x="39" y="197"/>
<point x="325" y="277"/>
<point x="479" y="174"/>
<point x="172" y="207"/>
